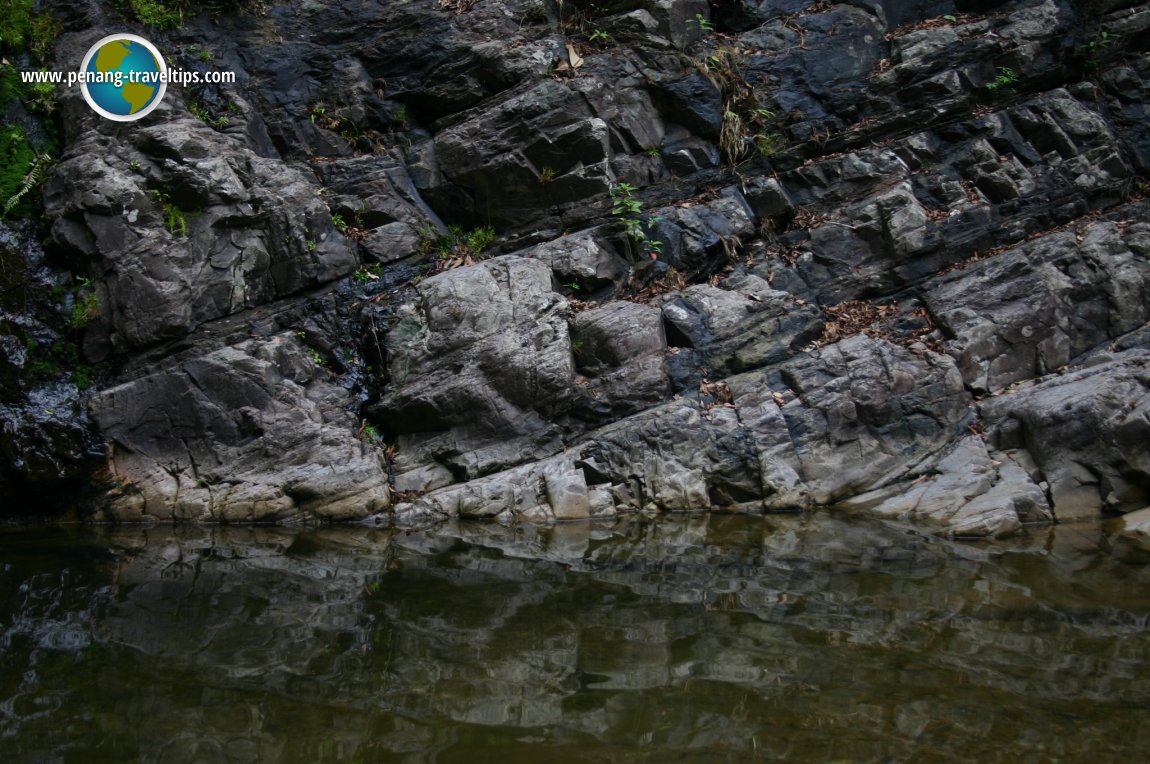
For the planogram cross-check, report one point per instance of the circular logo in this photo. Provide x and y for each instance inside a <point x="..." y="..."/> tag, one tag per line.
<point x="123" y="77"/>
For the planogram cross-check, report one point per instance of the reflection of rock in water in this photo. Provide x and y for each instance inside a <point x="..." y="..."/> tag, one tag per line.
<point x="256" y="602"/>
<point x="800" y="637"/>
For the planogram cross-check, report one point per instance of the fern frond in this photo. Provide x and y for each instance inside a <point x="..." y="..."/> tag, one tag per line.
<point x="31" y="180"/>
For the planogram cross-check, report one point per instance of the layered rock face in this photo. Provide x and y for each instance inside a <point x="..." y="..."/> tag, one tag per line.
<point x="533" y="260"/>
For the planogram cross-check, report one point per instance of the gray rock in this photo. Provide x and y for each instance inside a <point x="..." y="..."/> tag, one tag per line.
<point x="965" y="492"/>
<point x="581" y="259"/>
<point x="621" y="357"/>
<point x="478" y="366"/>
<point x="1028" y="312"/>
<point x="883" y="161"/>
<point x="1086" y="432"/>
<point x="211" y="231"/>
<point x="673" y="17"/>
<point x="374" y="191"/>
<point x="391" y="242"/>
<point x="251" y="433"/>
<point x="1135" y="526"/>
<point x="859" y="415"/>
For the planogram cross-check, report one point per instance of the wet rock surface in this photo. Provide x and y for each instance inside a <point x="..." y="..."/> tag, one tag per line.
<point x="891" y="258"/>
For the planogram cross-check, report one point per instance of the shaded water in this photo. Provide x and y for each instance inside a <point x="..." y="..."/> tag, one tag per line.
<point x="708" y="638"/>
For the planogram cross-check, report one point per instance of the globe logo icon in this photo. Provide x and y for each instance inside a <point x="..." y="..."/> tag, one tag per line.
<point x="123" y="77"/>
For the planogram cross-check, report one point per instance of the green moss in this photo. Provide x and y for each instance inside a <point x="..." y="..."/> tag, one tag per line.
<point x="15" y="23"/>
<point x="86" y="308"/>
<point x="21" y="29"/>
<point x="44" y="30"/>
<point x="158" y="15"/>
<point x="171" y="14"/>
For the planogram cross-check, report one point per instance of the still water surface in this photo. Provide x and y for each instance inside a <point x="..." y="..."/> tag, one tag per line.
<point x="707" y="638"/>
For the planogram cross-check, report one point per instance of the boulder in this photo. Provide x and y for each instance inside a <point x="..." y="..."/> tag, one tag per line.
<point x="251" y="433"/>
<point x="478" y="365"/>
<point x="1086" y="431"/>
<point x="1030" y="311"/>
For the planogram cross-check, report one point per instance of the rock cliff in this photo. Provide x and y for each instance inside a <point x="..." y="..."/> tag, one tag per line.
<point x="547" y="259"/>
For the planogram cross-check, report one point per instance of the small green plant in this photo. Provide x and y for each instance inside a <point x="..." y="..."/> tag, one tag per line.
<point x="480" y="239"/>
<point x="598" y="35"/>
<point x="338" y="221"/>
<point x="573" y="285"/>
<point x="629" y="211"/>
<point x="950" y="18"/>
<point x="535" y="13"/>
<point x="547" y="174"/>
<point x="82" y="377"/>
<point x="14" y="146"/>
<point x="768" y="144"/>
<point x="174" y="218"/>
<point x="744" y="116"/>
<point x="401" y="116"/>
<point x="205" y="115"/>
<point x="457" y="247"/>
<point x="1004" y="81"/>
<point x="15" y="23"/>
<point x="366" y="274"/>
<point x="702" y="23"/>
<point x="86" y="307"/>
<point x="134" y="165"/>
<point x="315" y="357"/>
<point x="1095" y="47"/>
<point x="369" y="433"/>
<point x="318" y="113"/>
<point x="157" y="15"/>
<point x="206" y="55"/>
<point x="653" y="151"/>
<point x="311" y="245"/>
<point x="42" y="35"/>
<point x="40" y="97"/>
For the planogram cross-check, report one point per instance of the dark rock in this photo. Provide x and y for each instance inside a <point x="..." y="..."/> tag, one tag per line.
<point x="697" y="104"/>
<point x="496" y="160"/>
<point x="747" y="326"/>
<point x="216" y="231"/>
<point x="620" y="351"/>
